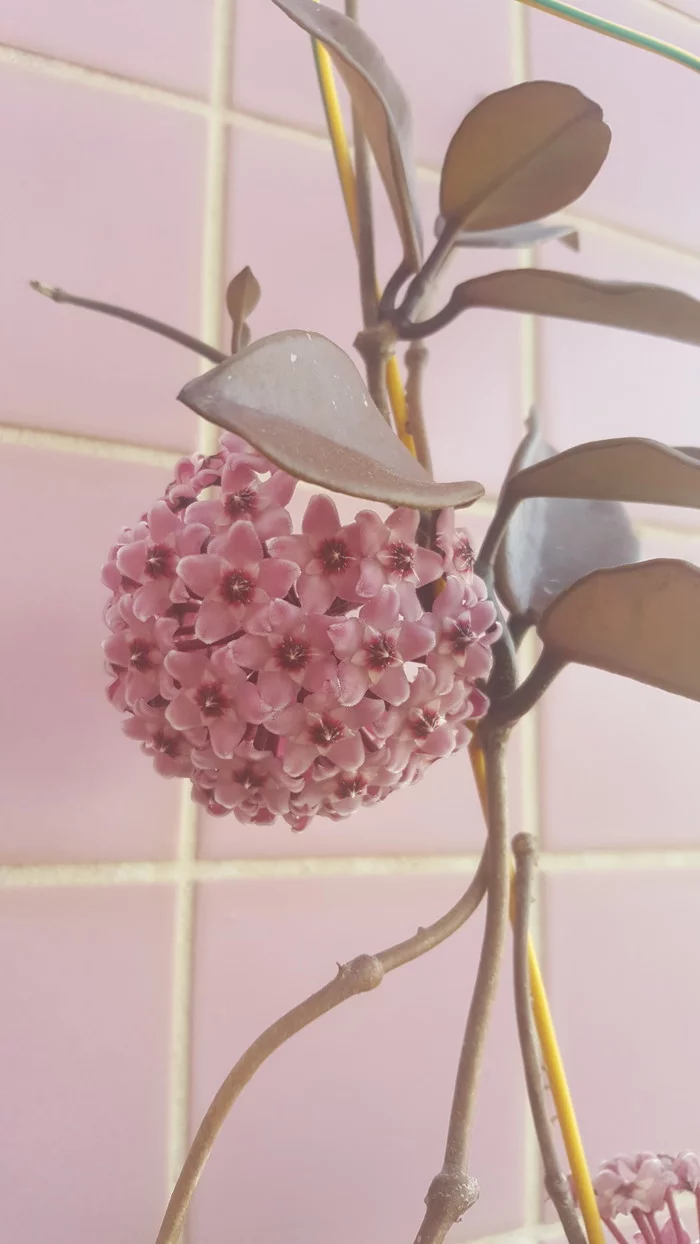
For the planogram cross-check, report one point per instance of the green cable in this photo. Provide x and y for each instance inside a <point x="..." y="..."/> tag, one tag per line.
<point x="623" y="33"/>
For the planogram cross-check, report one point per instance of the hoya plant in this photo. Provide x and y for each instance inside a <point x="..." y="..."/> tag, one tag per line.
<point x="304" y="673"/>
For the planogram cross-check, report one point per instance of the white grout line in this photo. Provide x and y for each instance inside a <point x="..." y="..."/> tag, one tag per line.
<point x="82" y="75"/>
<point x="87" y="446"/>
<point x="169" y="872"/>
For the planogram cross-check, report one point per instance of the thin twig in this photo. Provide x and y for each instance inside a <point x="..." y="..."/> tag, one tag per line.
<point x="555" y="1181"/>
<point x="506" y="712"/>
<point x="416" y="359"/>
<point x="132" y="317"/>
<point x="376" y="346"/>
<point x="361" y="974"/>
<point x="453" y="1190"/>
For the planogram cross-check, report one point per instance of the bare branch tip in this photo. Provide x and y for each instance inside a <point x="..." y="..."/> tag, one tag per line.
<point x="524" y="846"/>
<point x="49" y="291"/>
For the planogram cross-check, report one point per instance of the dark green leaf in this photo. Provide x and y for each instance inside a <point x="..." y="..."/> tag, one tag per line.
<point x="301" y="401"/>
<point x="520" y="154"/>
<point x="381" y="105"/>
<point x="640" y="621"/>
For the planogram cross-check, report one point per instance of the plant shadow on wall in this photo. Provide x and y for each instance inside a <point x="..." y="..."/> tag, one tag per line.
<point x="300" y="674"/>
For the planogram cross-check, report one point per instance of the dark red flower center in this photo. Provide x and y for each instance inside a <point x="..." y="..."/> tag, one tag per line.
<point x="399" y="558"/>
<point x="293" y="654"/>
<point x="461" y="636"/>
<point x="250" y="779"/>
<point x="349" y="787"/>
<point x="462" y="554"/>
<point x="168" y="744"/>
<point x="424" y="721"/>
<point x="326" y="730"/>
<point x="241" y="504"/>
<point x="140" y="658"/>
<point x="237" y="588"/>
<point x="159" y="561"/>
<point x="334" y="555"/>
<point x="211" y="699"/>
<point x="381" y="652"/>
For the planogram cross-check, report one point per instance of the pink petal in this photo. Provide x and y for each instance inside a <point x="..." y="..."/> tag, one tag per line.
<point x="225" y="734"/>
<point x="383" y="611"/>
<point x="249" y="704"/>
<point x="321" y="519"/>
<point x="191" y="538"/>
<point x="151" y="599"/>
<point x="276" y="577"/>
<point x="415" y="640"/>
<point x="404" y="524"/>
<point x="131" y="559"/>
<point x="284" y="617"/>
<point x="201" y="573"/>
<point x="236" y="476"/>
<point x="447" y="603"/>
<point x="318" y="672"/>
<point x="347" y="753"/>
<point x="297" y="758"/>
<point x="409" y="603"/>
<point x="209" y="513"/>
<point x="215" y="621"/>
<point x="393" y="686"/>
<point x="316" y="593"/>
<point x="371" y="579"/>
<point x="229" y="793"/>
<point x="482" y="616"/>
<point x="279" y="488"/>
<point x="353" y="681"/>
<point x="241" y="546"/>
<point x="444" y="670"/>
<point x="440" y="742"/>
<point x="477" y="661"/>
<point x="291" y="548"/>
<point x="273" y="523"/>
<point x="427" y="565"/>
<point x="117" y="649"/>
<point x="182" y="712"/>
<point x="162" y="521"/>
<point x="277" y="689"/>
<point x="372" y="532"/>
<point x="250" y="651"/>
<point x="187" y="667"/>
<point x="346" y="637"/>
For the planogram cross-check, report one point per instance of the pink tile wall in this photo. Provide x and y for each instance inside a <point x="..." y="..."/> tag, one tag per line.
<point x="120" y="1017"/>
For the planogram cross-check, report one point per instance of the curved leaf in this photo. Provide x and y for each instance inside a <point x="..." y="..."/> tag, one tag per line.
<point x="550" y="543"/>
<point x="639" y="621"/>
<point x="533" y="233"/>
<point x="301" y="401"/>
<point x="381" y="105"/>
<point x="522" y="153"/>
<point x="625" y="469"/>
<point x="242" y="295"/>
<point x="651" y="309"/>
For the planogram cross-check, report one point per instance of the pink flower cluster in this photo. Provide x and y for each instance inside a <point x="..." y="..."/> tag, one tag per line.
<point x="643" y="1186"/>
<point x="290" y="674"/>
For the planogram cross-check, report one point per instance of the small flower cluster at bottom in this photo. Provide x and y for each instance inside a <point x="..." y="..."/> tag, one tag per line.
<point x="644" y="1187"/>
<point x="290" y="674"/>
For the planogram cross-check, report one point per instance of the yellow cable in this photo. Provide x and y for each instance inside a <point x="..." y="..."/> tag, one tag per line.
<point x="553" y="1060"/>
<point x="542" y="1015"/>
<point x="346" y="175"/>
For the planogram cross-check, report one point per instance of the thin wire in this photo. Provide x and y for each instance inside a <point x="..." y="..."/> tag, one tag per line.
<point x="624" y="34"/>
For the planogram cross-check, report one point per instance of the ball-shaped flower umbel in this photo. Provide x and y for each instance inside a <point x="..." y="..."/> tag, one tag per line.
<point x="290" y="674"/>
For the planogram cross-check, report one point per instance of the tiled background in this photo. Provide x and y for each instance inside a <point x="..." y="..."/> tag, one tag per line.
<point x="148" y="149"/>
